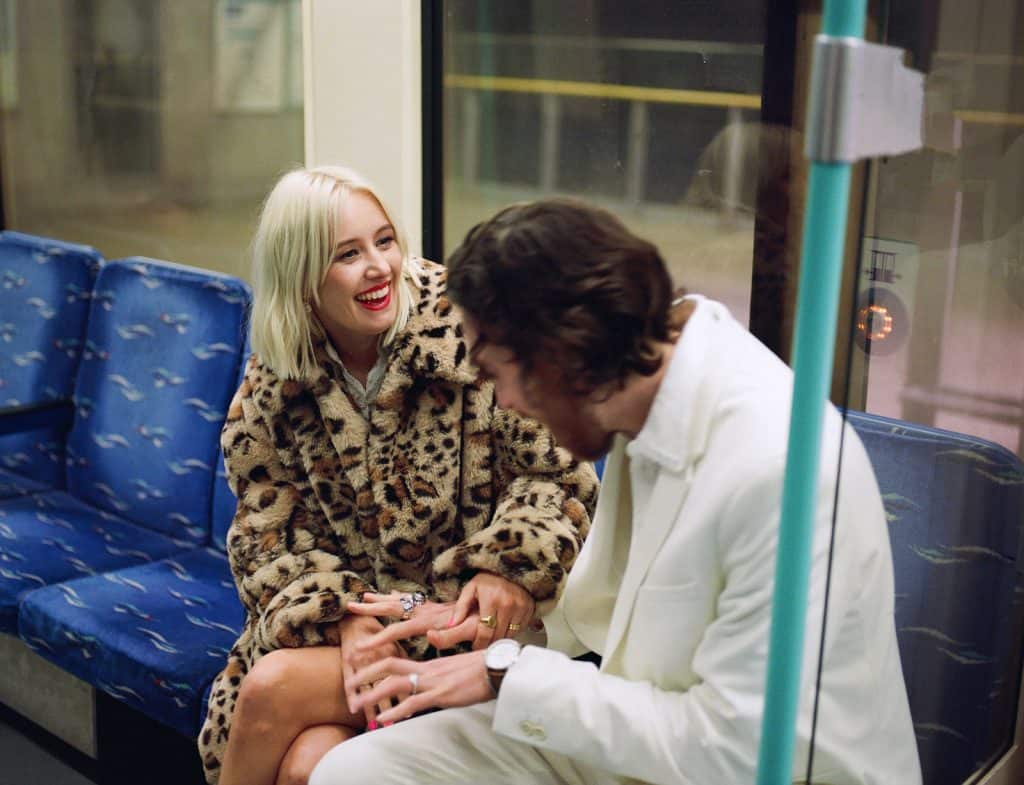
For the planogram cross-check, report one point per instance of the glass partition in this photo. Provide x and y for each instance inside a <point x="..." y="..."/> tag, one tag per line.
<point x="164" y="123"/>
<point x="941" y="310"/>
<point x="650" y="108"/>
<point x="938" y="364"/>
<point x="658" y="111"/>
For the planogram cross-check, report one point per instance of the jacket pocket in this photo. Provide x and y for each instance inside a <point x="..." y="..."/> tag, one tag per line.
<point x="667" y="624"/>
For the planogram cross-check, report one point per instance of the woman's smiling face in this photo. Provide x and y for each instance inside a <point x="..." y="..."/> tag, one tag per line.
<point x="358" y="297"/>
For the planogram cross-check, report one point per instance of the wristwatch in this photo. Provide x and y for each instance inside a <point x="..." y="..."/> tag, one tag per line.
<point x="499" y="657"/>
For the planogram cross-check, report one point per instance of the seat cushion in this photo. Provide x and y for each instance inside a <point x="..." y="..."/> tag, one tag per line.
<point x="954" y="505"/>
<point x="12" y="484"/>
<point x="51" y="537"/>
<point x="153" y="636"/>
<point x="45" y="291"/>
<point x="144" y="444"/>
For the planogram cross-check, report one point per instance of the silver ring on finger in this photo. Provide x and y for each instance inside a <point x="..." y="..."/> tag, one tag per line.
<point x="414" y="683"/>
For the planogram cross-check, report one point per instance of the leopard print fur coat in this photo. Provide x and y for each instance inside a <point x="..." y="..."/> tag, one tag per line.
<point x="439" y="484"/>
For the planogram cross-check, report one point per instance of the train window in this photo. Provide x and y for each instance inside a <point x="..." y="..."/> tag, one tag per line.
<point x="940" y="309"/>
<point x="164" y="124"/>
<point x="650" y="108"/>
<point x="936" y="359"/>
<point x="685" y="119"/>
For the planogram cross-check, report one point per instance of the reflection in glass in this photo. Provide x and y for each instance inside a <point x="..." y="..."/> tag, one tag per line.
<point x="648" y="108"/>
<point x="939" y="331"/>
<point x="943" y="237"/>
<point x="163" y="126"/>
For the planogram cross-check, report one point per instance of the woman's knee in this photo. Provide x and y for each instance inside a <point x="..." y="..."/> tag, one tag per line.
<point x="307" y="750"/>
<point x="264" y="694"/>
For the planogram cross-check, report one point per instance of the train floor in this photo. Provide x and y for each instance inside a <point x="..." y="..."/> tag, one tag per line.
<point x="25" y="761"/>
<point x="133" y="749"/>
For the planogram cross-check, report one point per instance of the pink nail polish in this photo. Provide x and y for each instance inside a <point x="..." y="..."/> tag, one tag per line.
<point x="372" y="725"/>
<point x="451" y="622"/>
<point x="389" y="723"/>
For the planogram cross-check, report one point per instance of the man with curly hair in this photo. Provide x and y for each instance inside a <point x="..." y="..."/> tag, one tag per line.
<point x="573" y="318"/>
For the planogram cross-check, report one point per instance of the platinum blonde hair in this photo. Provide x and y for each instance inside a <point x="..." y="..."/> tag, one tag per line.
<point x="291" y="255"/>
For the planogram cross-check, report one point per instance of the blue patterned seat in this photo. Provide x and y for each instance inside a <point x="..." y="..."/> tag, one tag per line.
<point x="143" y="448"/>
<point x="956" y="508"/>
<point x="14" y="484"/>
<point x="159" y="633"/>
<point x="46" y="287"/>
<point x="153" y="636"/>
<point x="52" y="537"/>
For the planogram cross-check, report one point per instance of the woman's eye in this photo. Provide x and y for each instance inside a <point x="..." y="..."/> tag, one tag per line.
<point x="385" y="242"/>
<point x="351" y="253"/>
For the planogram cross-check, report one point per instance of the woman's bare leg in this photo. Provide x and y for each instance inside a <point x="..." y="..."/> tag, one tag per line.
<point x="286" y="692"/>
<point x="307" y="750"/>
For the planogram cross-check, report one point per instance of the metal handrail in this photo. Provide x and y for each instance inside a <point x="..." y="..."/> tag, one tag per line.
<point x="653" y="95"/>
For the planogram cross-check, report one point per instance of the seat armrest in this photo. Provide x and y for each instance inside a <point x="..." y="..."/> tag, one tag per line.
<point x="36" y="416"/>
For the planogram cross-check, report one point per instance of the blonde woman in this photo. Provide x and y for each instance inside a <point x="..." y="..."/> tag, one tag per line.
<point x="368" y="459"/>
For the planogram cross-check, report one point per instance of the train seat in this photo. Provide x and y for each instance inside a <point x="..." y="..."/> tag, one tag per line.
<point x="45" y="290"/>
<point x="955" y="506"/>
<point x="141" y="454"/>
<point x="153" y="636"/>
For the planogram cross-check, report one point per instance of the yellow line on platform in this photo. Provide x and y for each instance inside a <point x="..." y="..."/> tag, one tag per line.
<point x="661" y="95"/>
<point x="988" y="118"/>
<point x="654" y="95"/>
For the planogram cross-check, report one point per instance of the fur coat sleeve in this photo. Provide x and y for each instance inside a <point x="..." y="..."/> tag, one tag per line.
<point x="292" y="574"/>
<point x="543" y="502"/>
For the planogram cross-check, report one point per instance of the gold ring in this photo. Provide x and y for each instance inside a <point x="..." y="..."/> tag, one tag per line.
<point x="513" y="627"/>
<point x="489" y="621"/>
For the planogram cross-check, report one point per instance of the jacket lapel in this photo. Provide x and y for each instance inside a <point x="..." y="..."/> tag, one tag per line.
<point x="670" y="490"/>
<point x="594" y="580"/>
<point x="680" y="419"/>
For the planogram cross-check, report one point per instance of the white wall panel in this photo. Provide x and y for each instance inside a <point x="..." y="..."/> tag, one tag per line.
<point x="362" y="96"/>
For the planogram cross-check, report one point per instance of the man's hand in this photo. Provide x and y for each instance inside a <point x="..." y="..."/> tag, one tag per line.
<point x="446" y="682"/>
<point x="504" y="608"/>
<point x="356" y="630"/>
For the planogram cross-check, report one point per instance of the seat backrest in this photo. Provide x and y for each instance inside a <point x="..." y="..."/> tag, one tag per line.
<point x="955" y="506"/>
<point x="150" y="400"/>
<point x="45" y="290"/>
<point x="224" y="501"/>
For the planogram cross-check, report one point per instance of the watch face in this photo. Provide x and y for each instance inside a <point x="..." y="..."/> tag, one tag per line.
<point x="501" y="654"/>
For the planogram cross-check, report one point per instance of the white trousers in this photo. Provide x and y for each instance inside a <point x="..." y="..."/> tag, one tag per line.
<point x="450" y="747"/>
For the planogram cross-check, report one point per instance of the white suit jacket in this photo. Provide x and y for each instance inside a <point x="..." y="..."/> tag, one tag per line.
<point x="677" y="599"/>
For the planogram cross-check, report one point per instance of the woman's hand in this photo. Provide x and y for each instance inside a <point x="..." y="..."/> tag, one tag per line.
<point x="445" y="682"/>
<point x="489" y="607"/>
<point x="356" y="630"/>
<point x="504" y="608"/>
<point x="436" y="620"/>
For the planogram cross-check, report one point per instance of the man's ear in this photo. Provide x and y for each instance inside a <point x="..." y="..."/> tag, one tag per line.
<point x="678" y="314"/>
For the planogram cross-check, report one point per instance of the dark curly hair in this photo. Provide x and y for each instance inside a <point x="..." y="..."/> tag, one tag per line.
<point x="565" y="282"/>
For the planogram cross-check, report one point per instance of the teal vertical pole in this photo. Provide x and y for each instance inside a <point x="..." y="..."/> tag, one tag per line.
<point x="817" y="306"/>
